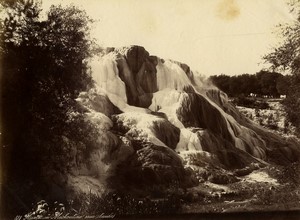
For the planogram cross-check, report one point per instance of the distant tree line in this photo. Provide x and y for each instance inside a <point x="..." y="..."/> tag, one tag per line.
<point x="263" y="83"/>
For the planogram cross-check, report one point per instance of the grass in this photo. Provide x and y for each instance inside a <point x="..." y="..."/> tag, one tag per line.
<point x="250" y="196"/>
<point x="205" y="198"/>
<point x="108" y="204"/>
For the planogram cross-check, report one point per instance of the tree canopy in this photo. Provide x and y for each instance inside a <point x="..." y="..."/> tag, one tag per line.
<point x="43" y="69"/>
<point x="286" y="57"/>
<point x="261" y="83"/>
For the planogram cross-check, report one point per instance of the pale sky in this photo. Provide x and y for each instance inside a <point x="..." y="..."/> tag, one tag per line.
<point x="211" y="36"/>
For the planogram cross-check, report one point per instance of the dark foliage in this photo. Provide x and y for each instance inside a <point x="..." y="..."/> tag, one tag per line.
<point x="113" y="204"/>
<point x="43" y="68"/>
<point x="286" y="58"/>
<point x="292" y="101"/>
<point x="262" y="83"/>
<point x="249" y="102"/>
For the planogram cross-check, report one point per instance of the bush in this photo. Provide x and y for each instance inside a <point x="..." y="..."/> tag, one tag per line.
<point x="251" y="103"/>
<point x="244" y="101"/>
<point x="262" y="105"/>
<point x="272" y="122"/>
<point x="292" y="107"/>
<point x="109" y="204"/>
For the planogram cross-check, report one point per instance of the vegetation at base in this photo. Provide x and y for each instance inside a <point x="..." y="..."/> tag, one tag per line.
<point x="108" y="204"/>
<point x="241" y="195"/>
<point x="244" y="196"/>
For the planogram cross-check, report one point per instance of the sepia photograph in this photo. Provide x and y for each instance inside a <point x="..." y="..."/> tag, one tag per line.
<point x="162" y="109"/>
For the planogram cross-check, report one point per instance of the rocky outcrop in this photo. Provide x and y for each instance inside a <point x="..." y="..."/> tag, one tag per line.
<point x="187" y="70"/>
<point x="147" y="127"/>
<point x="159" y="125"/>
<point x="137" y="69"/>
<point x="96" y="99"/>
<point x="278" y="149"/>
<point x="153" y="165"/>
<point x="196" y="111"/>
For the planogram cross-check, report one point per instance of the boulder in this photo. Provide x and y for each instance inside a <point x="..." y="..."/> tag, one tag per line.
<point x="153" y="165"/>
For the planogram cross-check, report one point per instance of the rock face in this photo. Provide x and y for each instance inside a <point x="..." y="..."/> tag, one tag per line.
<point x="278" y="149"/>
<point x="153" y="165"/>
<point x="138" y="71"/>
<point x="148" y="127"/>
<point x="154" y="115"/>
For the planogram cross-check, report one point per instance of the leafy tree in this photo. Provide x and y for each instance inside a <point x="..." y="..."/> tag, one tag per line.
<point x="235" y="86"/>
<point x="222" y="82"/>
<point x="283" y="84"/>
<point x="248" y="83"/>
<point x="44" y="67"/>
<point x="268" y="82"/>
<point x="287" y="58"/>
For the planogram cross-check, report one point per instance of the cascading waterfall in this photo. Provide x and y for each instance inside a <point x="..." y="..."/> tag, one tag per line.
<point x="170" y="75"/>
<point x="171" y="83"/>
<point x="105" y="74"/>
<point x="146" y="108"/>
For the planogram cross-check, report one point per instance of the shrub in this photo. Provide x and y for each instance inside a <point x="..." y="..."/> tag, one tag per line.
<point x="108" y="204"/>
<point x="250" y="102"/>
<point x="272" y="122"/>
<point x="262" y="105"/>
<point x="244" y="101"/>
